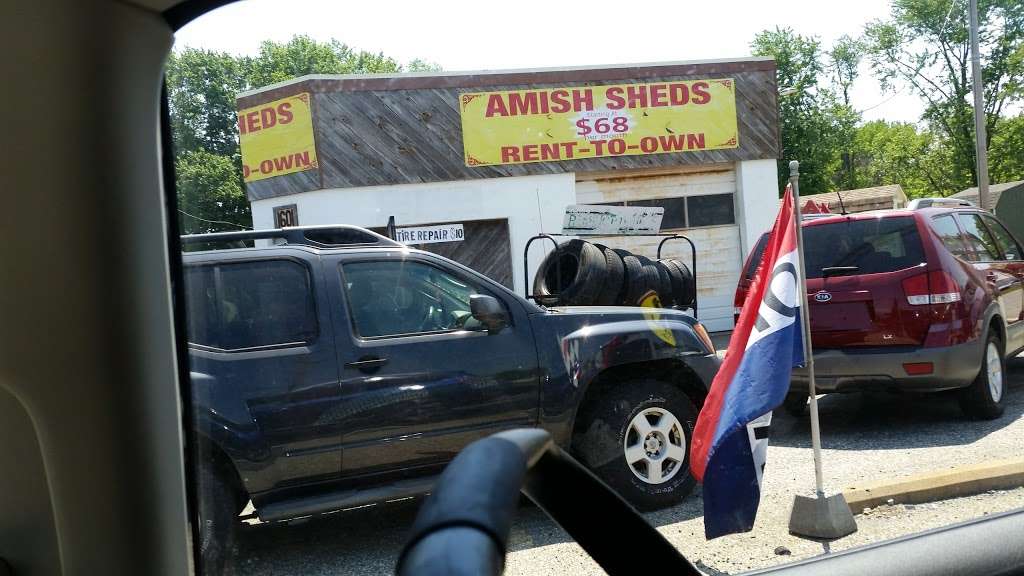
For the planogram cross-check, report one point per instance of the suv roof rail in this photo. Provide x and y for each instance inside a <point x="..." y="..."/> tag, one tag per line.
<point x="940" y="203"/>
<point x="315" y="236"/>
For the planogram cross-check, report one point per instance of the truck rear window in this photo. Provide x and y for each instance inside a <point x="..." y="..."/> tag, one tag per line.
<point x="868" y="246"/>
<point x="233" y="306"/>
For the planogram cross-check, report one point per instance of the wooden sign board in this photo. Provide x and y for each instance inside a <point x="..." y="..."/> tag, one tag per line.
<point x="600" y="220"/>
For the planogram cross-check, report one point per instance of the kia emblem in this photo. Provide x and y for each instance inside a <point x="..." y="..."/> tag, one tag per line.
<point x="822" y="296"/>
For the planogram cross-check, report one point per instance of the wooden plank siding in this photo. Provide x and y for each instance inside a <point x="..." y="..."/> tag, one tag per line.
<point x="407" y="129"/>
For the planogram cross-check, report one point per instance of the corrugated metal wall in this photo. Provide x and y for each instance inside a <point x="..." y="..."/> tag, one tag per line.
<point x="718" y="247"/>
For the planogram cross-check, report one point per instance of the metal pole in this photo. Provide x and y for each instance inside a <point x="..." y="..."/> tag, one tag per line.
<point x="805" y="327"/>
<point x="981" y="152"/>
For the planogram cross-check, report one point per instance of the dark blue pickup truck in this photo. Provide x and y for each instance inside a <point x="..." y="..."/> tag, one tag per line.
<point x="333" y="367"/>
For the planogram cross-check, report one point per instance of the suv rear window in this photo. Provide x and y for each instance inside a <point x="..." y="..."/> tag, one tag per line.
<point x="755" y="257"/>
<point x="249" y="304"/>
<point x="871" y="245"/>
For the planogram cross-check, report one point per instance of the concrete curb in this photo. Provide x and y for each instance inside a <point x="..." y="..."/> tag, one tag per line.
<point x="938" y="485"/>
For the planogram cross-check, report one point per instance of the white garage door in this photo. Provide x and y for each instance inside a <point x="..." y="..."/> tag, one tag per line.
<point x="700" y="204"/>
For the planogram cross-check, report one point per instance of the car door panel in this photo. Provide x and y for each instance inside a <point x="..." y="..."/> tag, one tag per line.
<point x="1004" y="277"/>
<point x="283" y="391"/>
<point x="1012" y="264"/>
<point x="424" y="396"/>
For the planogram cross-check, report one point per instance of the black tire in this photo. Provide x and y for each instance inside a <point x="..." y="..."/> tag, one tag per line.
<point x="583" y="270"/>
<point x="795" y="404"/>
<point x="602" y="428"/>
<point x="651" y="276"/>
<point x="614" y="279"/>
<point x="665" y="292"/>
<point x="219" y="505"/>
<point x="634" y="285"/>
<point x="984" y="398"/>
<point x="687" y="290"/>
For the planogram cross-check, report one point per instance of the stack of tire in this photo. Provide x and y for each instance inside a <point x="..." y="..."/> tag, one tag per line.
<point x="579" y="273"/>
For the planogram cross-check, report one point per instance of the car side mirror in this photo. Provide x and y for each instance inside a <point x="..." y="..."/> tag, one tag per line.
<point x="489" y="312"/>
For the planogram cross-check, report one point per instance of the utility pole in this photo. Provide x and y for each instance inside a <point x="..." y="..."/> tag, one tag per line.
<point x="981" y="152"/>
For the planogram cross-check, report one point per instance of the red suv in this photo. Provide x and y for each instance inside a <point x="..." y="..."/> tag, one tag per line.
<point x="924" y="299"/>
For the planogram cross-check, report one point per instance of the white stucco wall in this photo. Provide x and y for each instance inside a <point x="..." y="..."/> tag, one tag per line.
<point x="532" y="204"/>
<point x="757" y="200"/>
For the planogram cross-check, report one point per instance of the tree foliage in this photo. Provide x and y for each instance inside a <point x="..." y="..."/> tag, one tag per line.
<point x="1006" y="154"/>
<point x="202" y="86"/>
<point x="925" y="46"/>
<point x="815" y="126"/>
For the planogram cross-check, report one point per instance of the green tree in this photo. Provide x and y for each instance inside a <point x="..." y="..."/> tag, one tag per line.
<point x="201" y="89"/>
<point x="925" y="46"/>
<point x="814" y="125"/>
<point x="1006" y="153"/>
<point x="202" y="86"/>
<point x="211" y="196"/>
<point x="900" y="153"/>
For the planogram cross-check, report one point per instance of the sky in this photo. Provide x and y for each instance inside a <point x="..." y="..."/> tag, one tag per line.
<point x="481" y="35"/>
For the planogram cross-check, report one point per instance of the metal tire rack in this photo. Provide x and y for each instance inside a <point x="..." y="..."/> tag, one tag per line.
<point x="558" y="266"/>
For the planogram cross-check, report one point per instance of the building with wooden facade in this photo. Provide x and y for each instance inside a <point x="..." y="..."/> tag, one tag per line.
<point x="471" y="165"/>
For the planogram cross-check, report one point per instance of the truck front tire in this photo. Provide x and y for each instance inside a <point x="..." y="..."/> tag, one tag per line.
<point x="636" y="437"/>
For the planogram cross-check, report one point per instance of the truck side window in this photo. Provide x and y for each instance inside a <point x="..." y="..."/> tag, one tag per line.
<point x="399" y="298"/>
<point x="234" y="306"/>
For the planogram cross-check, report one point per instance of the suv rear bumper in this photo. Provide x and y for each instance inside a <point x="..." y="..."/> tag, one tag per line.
<point x="879" y="368"/>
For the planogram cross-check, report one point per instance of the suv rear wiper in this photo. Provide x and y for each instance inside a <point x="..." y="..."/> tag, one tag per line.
<point x="838" y="270"/>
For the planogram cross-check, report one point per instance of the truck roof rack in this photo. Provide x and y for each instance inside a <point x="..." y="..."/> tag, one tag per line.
<point x="339" y="236"/>
<point x="940" y="203"/>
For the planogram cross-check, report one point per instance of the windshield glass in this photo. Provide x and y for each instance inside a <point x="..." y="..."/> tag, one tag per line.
<point x="868" y="246"/>
<point x="407" y="228"/>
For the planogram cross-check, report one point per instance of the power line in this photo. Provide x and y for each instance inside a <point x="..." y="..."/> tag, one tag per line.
<point x="897" y="93"/>
<point x="213" y="221"/>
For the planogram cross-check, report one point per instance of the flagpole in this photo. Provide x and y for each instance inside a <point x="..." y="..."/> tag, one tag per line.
<point x="805" y="327"/>
<point x="820" y="517"/>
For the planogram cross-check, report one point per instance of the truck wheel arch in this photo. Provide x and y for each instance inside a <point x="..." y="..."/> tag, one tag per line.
<point x="669" y="370"/>
<point x="206" y="453"/>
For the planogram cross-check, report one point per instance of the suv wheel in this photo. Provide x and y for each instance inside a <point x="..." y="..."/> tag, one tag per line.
<point x="636" y="437"/>
<point x="983" y="399"/>
<point x="217" y="517"/>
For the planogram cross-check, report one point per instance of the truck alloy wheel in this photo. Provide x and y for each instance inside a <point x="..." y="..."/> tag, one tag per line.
<point x="655" y="446"/>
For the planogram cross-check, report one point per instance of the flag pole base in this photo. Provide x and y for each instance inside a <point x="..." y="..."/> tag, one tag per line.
<point x="821" y="517"/>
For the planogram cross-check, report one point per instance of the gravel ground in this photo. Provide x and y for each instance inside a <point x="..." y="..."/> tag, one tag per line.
<point x="866" y="438"/>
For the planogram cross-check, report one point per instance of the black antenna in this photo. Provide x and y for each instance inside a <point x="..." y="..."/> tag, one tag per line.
<point x="842" y="207"/>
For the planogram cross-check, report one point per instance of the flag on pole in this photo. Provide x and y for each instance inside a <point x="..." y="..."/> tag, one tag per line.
<point x="730" y="440"/>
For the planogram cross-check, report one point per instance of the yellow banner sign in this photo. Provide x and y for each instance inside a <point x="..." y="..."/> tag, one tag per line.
<point x="554" y="124"/>
<point x="277" y="138"/>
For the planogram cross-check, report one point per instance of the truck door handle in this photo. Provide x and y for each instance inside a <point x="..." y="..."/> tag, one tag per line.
<point x="367" y="363"/>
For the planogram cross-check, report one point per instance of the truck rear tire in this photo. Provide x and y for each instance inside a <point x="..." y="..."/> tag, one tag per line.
<point x="636" y="437"/>
<point x="218" y="519"/>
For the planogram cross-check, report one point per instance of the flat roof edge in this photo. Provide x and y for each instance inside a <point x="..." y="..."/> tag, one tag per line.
<point x="484" y="78"/>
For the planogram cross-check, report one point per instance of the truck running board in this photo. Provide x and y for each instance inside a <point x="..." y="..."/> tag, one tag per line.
<point x="344" y="499"/>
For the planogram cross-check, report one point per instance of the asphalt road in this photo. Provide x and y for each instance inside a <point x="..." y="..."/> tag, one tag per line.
<point x="866" y="438"/>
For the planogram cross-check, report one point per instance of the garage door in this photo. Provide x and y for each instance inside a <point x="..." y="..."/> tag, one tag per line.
<point x="699" y="204"/>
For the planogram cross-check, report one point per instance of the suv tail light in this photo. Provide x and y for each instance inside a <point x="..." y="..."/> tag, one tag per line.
<point x="936" y="287"/>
